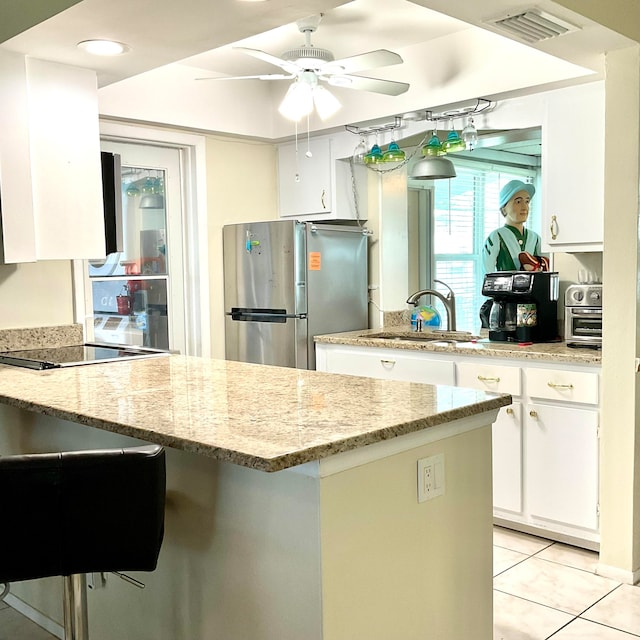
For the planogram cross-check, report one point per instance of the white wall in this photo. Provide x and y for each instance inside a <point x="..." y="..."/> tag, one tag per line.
<point x="241" y="187"/>
<point x="620" y="428"/>
<point x="36" y="294"/>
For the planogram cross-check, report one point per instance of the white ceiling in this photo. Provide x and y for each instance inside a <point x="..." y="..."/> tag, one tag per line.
<point x="351" y="29"/>
<point x="172" y="43"/>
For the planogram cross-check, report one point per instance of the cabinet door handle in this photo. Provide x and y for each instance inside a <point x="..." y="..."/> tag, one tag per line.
<point x="387" y="362"/>
<point x="322" y="200"/>
<point x="488" y="379"/>
<point x="509" y="411"/>
<point x="553" y="385"/>
<point x="553" y="227"/>
<point x="533" y="414"/>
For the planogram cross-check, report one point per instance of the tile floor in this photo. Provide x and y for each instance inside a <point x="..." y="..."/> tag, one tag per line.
<point x="542" y="589"/>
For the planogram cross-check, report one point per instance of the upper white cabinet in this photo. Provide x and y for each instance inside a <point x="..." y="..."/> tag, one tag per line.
<point x="321" y="186"/>
<point x="573" y="169"/>
<point x="50" y="171"/>
<point x="305" y="181"/>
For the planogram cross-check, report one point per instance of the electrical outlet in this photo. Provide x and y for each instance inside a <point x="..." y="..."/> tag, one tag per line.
<point x="430" y="477"/>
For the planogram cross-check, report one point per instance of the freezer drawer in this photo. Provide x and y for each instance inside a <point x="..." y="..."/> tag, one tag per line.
<point x="265" y="341"/>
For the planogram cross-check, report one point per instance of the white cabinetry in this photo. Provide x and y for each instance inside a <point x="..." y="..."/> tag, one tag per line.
<point x="387" y="364"/>
<point x="304" y="182"/>
<point x="320" y="187"/>
<point x="50" y="172"/>
<point x="562" y="466"/>
<point x="545" y="445"/>
<point x="573" y="169"/>
<point x="561" y="441"/>
<point x="507" y="429"/>
<point x="507" y="459"/>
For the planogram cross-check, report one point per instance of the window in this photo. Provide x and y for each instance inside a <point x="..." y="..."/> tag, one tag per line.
<point x="465" y="211"/>
<point x="137" y="295"/>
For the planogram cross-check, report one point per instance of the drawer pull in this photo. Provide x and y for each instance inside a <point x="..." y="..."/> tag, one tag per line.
<point x="553" y="385"/>
<point x="533" y="414"/>
<point x="387" y="362"/>
<point x="509" y="411"/>
<point x="488" y="379"/>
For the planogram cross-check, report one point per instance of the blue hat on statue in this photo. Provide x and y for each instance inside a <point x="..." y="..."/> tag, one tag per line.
<point x="511" y="188"/>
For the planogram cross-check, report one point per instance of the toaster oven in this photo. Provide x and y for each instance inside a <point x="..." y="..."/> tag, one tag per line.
<point x="583" y="315"/>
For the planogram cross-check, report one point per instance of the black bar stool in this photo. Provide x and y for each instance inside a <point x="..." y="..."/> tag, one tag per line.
<point x="72" y="513"/>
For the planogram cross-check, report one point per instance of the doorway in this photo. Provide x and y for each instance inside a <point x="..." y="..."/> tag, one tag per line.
<point x="137" y="295"/>
<point x="184" y="183"/>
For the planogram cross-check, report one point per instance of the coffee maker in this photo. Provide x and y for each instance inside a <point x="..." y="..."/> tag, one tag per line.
<point x="525" y="305"/>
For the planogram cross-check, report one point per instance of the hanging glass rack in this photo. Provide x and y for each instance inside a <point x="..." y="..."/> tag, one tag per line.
<point x="479" y="105"/>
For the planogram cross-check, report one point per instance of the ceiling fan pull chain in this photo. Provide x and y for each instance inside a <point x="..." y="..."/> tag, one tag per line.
<point x="297" y="174"/>
<point x="308" y="154"/>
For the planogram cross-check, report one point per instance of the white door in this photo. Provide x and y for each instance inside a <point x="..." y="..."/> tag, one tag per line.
<point x="137" y="295"/>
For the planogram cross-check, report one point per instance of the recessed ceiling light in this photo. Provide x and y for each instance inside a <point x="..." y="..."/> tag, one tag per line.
<point x="103" y="47"/>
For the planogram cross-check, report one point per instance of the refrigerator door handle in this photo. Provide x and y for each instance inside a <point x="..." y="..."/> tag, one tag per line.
<point x="263" y="315"/>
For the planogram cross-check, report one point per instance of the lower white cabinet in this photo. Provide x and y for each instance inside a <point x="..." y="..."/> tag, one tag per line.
<point x="387" y="364"/>
<point x="507" y="459"/>
<point x="561" y="444"/>
<point x="545" y="444"/>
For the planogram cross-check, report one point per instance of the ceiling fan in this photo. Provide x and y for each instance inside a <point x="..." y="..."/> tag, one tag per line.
<point x="309" y="65"/>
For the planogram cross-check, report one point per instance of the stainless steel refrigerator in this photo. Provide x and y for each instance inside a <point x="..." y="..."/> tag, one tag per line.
<point x="287" y="281"/>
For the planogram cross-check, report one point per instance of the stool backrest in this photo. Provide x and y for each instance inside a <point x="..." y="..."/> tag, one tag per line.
<point x="81" y="512"/>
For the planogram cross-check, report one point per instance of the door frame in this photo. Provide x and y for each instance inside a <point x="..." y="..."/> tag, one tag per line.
<point x="195" y="236"/>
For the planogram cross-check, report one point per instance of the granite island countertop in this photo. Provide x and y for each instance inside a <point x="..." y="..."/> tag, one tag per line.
<point x="552" y="352"/>
<point x="263" y="417"/>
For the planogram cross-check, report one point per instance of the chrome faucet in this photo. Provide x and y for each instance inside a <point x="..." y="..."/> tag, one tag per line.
<point x="449" y="302"/>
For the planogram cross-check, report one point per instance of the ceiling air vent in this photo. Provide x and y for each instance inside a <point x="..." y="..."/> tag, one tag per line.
<point x="533" y="25"/>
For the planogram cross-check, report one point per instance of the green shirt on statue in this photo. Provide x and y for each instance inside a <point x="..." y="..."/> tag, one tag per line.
<point x="502" y="247"/>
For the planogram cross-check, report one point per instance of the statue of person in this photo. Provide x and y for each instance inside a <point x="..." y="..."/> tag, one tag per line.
<point x="504" y="248"/>
<point x="512" y="247"/>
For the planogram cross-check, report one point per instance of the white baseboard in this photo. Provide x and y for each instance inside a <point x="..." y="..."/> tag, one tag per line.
<point x="620" y="575"/>
<point x="35" y="616"/>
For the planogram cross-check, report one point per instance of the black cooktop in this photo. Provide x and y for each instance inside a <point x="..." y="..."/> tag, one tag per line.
<point x="74" y="355"/>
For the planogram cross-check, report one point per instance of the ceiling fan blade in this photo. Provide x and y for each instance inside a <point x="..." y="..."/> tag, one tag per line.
<point x="267" y="57"/>
<point x="369" y="60"/>
<point x="268" y="76"/>
<point x="388" y="87"/>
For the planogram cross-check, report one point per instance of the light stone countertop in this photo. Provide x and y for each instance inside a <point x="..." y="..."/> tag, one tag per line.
<point x="266" y="418"/>
<point x="37" y="337"/>
<point x="552" y="352"/>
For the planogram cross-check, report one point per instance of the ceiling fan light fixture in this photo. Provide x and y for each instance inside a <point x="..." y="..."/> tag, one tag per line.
<point x="326" y="103"/>
<point x="310" y="64"/>
<point x="298" y="101"/>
